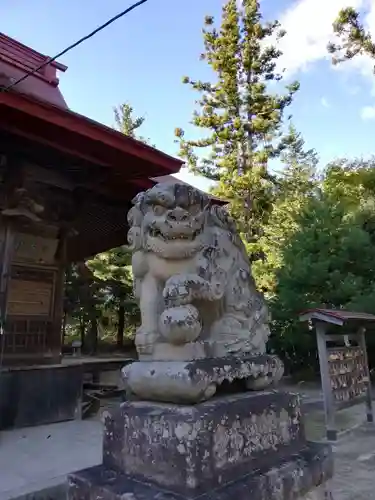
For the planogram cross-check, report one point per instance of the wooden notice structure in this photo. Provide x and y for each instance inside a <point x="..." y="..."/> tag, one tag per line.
<point x="343" y="361"/>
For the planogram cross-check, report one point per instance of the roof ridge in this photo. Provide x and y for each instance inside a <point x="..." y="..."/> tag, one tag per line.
<point x="15" y="45"/>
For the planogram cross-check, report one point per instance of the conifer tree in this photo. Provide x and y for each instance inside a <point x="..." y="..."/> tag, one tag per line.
<point x="327" y="263"/>
<point x="298" y="176"/>
<point x="127" y="123"/>
<point x="297" y="184"/>
<point x="353" y="39"/>
<point x="113" y="268"/>
<point x="240" y="117"/>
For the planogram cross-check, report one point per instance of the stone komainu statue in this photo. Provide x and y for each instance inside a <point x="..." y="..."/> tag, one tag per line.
<point x="192" y="278"/>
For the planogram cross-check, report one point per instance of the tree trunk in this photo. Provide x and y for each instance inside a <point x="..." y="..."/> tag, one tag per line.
<point x="92" y="336"/>
<point x="120" y="326"/>
<point x="82" y="331"/>
<point x="63" y="333"/>
<point x="89" y="305"/>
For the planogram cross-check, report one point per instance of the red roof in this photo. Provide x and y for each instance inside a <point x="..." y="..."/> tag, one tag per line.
<point x="35" y="110"/>
<point x="80" y="137"/>
<point x="16" y="59"/>
<point x="337" y="316"/>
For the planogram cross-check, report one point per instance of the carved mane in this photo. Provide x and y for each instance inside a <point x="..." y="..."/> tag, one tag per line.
<point x="219" y="216"/>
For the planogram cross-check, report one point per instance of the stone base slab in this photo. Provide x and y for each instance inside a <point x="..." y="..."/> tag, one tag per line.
<point x="290" y="479"/>
<point x="203" y="446"/>
<point x="189" y="382"/>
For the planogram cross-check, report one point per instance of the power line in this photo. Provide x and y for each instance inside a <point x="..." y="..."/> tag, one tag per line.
<point x="74" y="45"/>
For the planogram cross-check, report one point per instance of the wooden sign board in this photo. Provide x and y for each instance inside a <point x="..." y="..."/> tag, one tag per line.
<point x="30" y="292"/>
<point x="348" y="373"/>
<point x="36" y="249"/>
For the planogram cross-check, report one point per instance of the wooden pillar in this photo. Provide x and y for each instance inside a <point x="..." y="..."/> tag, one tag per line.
<point x="329" y="408"/>
<point x="362" y="343"/>
<point x="7" y="237"/>
<point x="56" y="341"/>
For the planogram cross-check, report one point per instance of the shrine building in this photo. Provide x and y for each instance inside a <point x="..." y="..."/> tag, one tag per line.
<point x="66" y="184"/>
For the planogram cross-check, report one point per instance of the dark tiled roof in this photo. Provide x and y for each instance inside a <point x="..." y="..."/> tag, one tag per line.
<point x="339" y="314"/>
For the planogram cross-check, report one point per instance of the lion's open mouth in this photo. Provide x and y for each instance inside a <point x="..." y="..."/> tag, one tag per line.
<point x="157" y="233"/>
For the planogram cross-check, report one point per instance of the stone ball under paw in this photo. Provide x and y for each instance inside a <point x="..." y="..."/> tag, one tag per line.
<point x="180" y="325"/>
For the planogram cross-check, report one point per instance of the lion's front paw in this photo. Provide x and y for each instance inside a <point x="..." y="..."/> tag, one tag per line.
<point x="177" y="292"/>
<point x="182" y="289"/>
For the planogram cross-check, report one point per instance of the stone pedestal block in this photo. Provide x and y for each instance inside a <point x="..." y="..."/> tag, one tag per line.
<point x="202" y="446"/>
<point x="242" y="446"/>
<point x="291" y="479"/>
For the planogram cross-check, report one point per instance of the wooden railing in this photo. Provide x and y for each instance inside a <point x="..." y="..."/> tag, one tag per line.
<point x="27" y="336"/>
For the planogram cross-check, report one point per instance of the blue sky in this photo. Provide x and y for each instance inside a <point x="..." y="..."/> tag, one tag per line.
<point x="143" y="56"/>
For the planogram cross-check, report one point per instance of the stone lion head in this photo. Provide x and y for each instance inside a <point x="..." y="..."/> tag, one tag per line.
<point x="173" y="218"/>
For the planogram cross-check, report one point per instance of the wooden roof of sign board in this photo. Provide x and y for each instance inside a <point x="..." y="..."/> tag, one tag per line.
<point x="335" y="316"/>
<point x="35" y="109"/>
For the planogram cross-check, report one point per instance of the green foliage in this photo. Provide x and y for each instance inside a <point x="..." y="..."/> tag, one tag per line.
<point x="329" y="260"/>
<point x="298" y="177"/>
<point x="127" y="123"/>
<point x="113" y="266"/>
<point x="297" y="183"/>
<point x="350" y="180"/>
<point x="321" y="264"/>
<point x="239" y="115"/>
<point x="321" y="268"/>
<point x="113" y="269"/>
<point x="83" y="301"/>
<point x="354" y="40"/>
<point x="83" y="294"/>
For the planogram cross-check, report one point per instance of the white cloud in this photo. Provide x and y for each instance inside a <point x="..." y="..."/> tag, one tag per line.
<point x="324" y="102"/>
<point x="308" y="24"/>
<point x="368" y="113"/>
